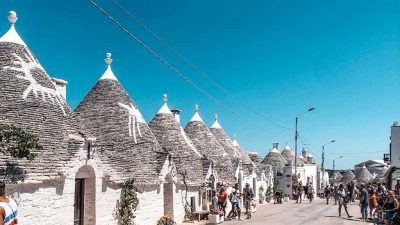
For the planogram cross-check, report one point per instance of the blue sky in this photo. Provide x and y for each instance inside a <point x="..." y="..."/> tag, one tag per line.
<point x="279" y="57"/>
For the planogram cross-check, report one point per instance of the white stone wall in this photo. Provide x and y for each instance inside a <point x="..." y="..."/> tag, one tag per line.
<point x="45" y="204"/>
<point x="151" y="206"/>
<point x="395" y="146"/>
<point x="310" y="174"/>
<point x="52" y="203"/>
<point x="179" y="201"/>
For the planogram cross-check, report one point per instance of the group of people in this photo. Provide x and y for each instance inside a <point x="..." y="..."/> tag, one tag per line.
<point x="235" y="198"/>
<point x="304" y="191"/>
<point x="374" y="200"/>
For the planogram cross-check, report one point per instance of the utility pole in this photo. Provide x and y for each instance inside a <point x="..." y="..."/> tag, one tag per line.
<point x="323" y="160"/>
<point x="295" y="148"/>
<point x="296" y="136"/>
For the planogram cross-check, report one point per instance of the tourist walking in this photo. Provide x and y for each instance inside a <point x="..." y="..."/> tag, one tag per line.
<point x="372" y="203"/>
<point x="300" y="190"/>
<point x="352" y="189"/>
<point x="222" y="200"/>
<point x="327" y="193"/>
<point x="248" y="198"/>
<point x="311" y="192"/>
<point x="390" y="207"/>
<point x="235" y="200"/>
<point x="364" y="202"/>
<point x="344" y="198"/>
<point x="306" y="190"/>
<point x="8" y="207"/>
<point x="336" y="194"/>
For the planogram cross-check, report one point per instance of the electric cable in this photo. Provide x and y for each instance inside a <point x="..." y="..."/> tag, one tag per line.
<point x="194" y="67"/>
<point x="177" y="72"/>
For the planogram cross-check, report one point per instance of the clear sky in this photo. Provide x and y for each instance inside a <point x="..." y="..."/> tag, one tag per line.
<point x="279" y="57"/>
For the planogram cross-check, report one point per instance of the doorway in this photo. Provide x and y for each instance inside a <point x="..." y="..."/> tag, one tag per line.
<point x="168" y="187"/>
<point x="85" y="197"/>
<point x="79" y="201"/>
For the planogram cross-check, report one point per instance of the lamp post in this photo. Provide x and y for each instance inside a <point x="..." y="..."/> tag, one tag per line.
<point x="296" y="137"/>
<point x="323" y="160"/>
<point x="334" y="162"/>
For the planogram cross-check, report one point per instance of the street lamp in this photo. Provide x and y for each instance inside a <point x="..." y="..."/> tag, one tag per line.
<point x="334" y="162"/>
<point x="323" y="152"/>
<point x="323" y="159"/>
<point x="295" y="139"/>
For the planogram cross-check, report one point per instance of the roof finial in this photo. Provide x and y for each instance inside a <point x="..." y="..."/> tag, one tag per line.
<point x="165" y="98"/>
<point x="196" y="108"/>
<point x="215" y="117"/>
<point x="108" y="59"/>
<point x="12" y="17"/>
<point x="234" y="136"/>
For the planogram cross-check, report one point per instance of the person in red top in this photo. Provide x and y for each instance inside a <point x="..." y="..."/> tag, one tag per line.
<point x="372" y="203"/>
<point x="222" y="200"/>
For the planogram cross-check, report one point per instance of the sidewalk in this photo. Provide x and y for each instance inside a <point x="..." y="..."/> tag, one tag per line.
<point x="290" y="213"/>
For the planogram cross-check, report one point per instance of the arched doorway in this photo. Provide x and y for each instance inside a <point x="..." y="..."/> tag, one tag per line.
<point x="85" y="196"/>
<point x="168" y="187"/>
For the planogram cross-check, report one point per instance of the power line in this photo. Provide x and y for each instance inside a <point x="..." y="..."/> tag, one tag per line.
<point x="177" y="72"/>
<point x="353" y="153"/>
<point x="194" y="67"/>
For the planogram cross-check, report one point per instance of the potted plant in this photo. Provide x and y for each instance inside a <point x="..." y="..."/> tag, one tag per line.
<point x="215" y="216"/>
<point x="286" y="198"/>
<point x="166" y="220"/>
<point x="261" y="196"/>
<point x="268" y="194"/>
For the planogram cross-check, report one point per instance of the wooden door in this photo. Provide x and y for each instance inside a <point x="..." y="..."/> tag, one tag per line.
<point x="79" y="201"/>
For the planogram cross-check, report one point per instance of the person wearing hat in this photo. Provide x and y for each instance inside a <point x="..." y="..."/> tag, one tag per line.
<point x="8" y="207"/>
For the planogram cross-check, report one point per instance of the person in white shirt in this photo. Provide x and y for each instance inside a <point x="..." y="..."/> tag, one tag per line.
<point x="8" y="208"/>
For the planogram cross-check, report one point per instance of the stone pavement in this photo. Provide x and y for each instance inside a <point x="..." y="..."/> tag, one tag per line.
<point x="290" y="213"/>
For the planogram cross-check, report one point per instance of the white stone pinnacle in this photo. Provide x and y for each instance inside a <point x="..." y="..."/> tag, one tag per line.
<point x="275" y="150"/>
<point x="164" y="108"/>
<point x="165" y="98"/>
<point x="196" y="116"/>
<point x="108" y="74"/>
<point x="12" y="35"/>
<point x="216" y="124"/>
<point x="234" y="142"/>
<point x="12" y="17"/>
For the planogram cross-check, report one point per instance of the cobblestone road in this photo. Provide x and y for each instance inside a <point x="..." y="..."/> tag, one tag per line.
<point x="316" y="213"/>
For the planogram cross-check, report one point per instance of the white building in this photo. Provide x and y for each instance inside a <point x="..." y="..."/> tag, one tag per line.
<point x="395" y="152"/>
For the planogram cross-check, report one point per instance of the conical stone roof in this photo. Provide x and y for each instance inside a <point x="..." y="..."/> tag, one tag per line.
<point x="174" y="140"/>
<point x="257" y="160"/>
<point x="208" y="146"/>
<point x="124" y="140"/>
<point x="337" y="177"/>
<point x="347" y="177"/>
<point x="248" y="166"/>
<point x="362" y="175"/>
<point x="275" y="159"/>
<point x="288" y="154"/>
<point x="29" y="99"/>
<point x="219" y="133"/>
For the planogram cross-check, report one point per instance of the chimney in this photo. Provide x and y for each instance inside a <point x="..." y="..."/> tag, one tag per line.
<point x="61" y="86"/>
<point x="177" y="114"/>
<point x="304" y="153"/>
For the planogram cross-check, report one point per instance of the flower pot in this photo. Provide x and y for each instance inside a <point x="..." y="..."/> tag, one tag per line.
<point x="215" y="219"/>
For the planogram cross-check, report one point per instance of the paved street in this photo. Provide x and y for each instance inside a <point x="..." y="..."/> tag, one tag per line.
<point x="317" y="213"/>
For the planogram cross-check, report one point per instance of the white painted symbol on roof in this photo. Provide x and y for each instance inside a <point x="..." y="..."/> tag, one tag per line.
<point x="26" y="68"/>
<point x="134" y="117"/>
